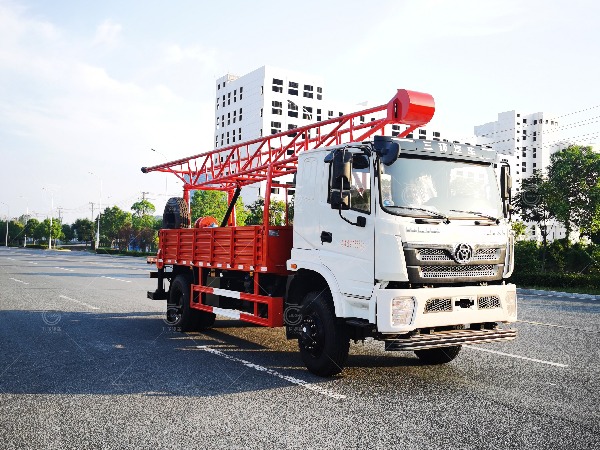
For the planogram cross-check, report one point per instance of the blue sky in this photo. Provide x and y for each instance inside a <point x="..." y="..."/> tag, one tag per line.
<point x="92" y="86"/>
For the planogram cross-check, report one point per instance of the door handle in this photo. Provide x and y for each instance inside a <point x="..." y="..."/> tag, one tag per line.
<point x="326" y="236"/>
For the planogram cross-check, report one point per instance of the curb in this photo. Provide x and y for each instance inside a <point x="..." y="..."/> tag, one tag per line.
<point x="558" y="294"/>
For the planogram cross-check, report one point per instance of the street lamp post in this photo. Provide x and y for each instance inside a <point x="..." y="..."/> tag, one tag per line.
<point x="99" y="211"/>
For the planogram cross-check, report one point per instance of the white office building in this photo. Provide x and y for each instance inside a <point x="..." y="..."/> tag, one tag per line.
<point x="525" y="142"/>
<point x="269" y="100"/>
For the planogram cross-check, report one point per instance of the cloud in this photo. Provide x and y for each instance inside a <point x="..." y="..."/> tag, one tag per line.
<point x="174" y="54"/>
<point x="107" y="33"/>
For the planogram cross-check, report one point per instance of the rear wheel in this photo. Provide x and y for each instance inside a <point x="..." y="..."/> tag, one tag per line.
<point x="176" y="214"/>
<point x="441" y="355"/>
<point x="323" y="341"/>
<point x="179" y="312"/>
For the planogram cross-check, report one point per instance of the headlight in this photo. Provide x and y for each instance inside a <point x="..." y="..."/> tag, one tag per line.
<point x="511" y="304"/>
<point x="402" y="310"/>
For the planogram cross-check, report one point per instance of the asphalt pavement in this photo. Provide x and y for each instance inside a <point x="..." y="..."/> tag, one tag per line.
<point x="87" y="361"/>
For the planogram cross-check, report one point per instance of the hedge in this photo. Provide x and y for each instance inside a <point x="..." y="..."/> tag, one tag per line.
<point x="556" y="280"/>
<point x="115" y="251"/>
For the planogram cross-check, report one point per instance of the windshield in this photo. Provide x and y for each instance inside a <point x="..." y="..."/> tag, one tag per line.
<point x="428" y="187"/>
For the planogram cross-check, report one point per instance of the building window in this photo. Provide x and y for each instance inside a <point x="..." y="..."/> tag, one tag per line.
<point x="330" y="113"/>
<point x="293" y="91"/>
<point x="292" y="109"/>
<point x="535" y="122"/>
<point x="422" y="133"/>
<point x="277" y="108"/>
<point x="275" y="127"/>
<point x="524" y="120"/>
<point x="308" y="91"/>
<point x="307" y="112"/>
<point x="291" y="126"/>
<point x="241" y="91"/>
<point x="277" y="85"/>
<point x="275" y="190"/>
<point x="436" y="134"/>
<point x="240" y="114"/>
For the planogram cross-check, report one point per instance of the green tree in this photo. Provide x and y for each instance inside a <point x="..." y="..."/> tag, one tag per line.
<point x="67" y="232"/>
<point x="574" y="189"/>
<point x="519" y="229"/>
<point x="276" y="212"/>
<point x="42" y="231"/>
<point x="531" y="203"/>
<point x="12" y="232"/>
<point x="214" y="203"/>
<point x="142" y="208"/>
<point x="111" y="222"/>
<point x="84" y="230"/>
<point x="30" y="227"/>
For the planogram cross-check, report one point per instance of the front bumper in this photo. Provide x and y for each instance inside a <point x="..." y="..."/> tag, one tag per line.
<point x="445" y="306"/>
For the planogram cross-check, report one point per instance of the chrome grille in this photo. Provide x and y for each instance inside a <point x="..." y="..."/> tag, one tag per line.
<point x="434" y="305"/>
<point x="485" y="270"/>
<point x="488" y="302"/>
<point x="486" y="254"/>
<point x="434" y="254"/>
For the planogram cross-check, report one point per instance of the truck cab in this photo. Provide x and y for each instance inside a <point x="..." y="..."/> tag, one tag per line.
<point x="412" y="240"/>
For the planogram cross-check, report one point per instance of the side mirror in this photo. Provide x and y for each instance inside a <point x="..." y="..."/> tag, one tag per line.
<point x="387" y="149"/>
<point x="505" y="188"/>
<point x="339" y="189"/>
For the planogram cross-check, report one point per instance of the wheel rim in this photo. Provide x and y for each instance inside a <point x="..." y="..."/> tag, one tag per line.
<point x="311" y="338"/>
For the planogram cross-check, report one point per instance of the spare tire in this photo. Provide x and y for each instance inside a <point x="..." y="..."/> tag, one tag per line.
<point x="177" y="214"/>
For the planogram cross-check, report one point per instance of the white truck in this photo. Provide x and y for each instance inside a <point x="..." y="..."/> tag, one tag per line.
<point x="402" y="240"/>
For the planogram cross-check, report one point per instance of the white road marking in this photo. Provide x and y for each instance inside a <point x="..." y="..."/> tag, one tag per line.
<point x="296" y="381"/>
<point x="31" y="262"/>
<point x="64" y="268"/>
<point x="541" y="361"/>
<point x="587" y="330"/>
<point x="78" y="301"/>
<point x="19" y="281"/>
<point x="116" y="279"/>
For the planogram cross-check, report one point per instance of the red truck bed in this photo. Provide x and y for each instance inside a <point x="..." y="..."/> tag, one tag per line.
<point x="246" y="248"/>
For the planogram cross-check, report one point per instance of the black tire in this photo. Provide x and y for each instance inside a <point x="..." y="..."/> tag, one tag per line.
<point x="440" y="355"/>
<point x="179" y="313"/>
<point x="176" y="214"/>
<point x="323" y="341"/>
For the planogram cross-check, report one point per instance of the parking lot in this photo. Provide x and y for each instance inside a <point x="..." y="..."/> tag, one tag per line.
<point x="87" y="361"/>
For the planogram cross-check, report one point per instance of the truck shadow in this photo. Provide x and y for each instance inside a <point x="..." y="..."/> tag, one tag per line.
<point x="106" y="353"/>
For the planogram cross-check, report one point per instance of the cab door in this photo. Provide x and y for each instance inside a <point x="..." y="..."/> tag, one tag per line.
<point x="348" y="236"/>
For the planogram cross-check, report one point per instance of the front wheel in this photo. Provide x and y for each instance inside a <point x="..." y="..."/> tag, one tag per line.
<point x="440" y="355"/>
<point x="323" y="342"/>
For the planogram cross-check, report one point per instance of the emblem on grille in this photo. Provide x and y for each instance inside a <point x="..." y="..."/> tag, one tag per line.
<point x="463" y="253"/>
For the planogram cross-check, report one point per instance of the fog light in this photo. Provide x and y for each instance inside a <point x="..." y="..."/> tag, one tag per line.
<point x="511" y="304"/>
<point x="402" y="310"/>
